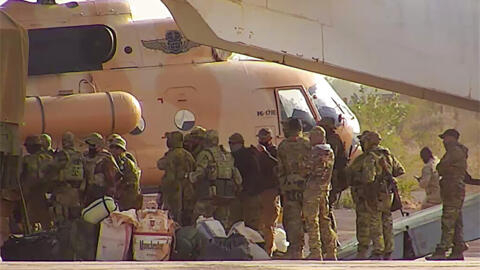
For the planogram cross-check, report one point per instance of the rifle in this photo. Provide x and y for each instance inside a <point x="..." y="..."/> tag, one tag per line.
<point x="392" y="186"/>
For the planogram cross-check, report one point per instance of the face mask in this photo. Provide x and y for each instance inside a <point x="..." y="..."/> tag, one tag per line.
<point x="92" y="150"/>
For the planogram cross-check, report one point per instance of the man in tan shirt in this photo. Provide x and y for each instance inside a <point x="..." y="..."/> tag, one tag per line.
<point x="429" y="179"/>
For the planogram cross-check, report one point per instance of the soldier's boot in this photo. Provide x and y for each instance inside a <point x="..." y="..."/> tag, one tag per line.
<point x="438" y="255"/>
<point x="387" y="256"/>
<point x="315" y="254"/>
<point x="362" y="253"/>
<point x="457" y="253"/>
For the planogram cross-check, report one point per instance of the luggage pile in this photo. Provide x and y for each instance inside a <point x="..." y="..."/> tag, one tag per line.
<point x="141" y="235"/>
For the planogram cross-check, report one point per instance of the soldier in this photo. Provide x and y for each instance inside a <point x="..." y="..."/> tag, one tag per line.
<point x="101" y="176"/>
<point x="270" y="200"/>
<point x="338" y="181"/>
<point x="429" y="179"/>
<point x="197" y="140"/>
<point x="127" y="154"/>
<point x="216" y="180"/>
<point x="293" y="155"/>
<point x="177" y="164"/>
<point x="46" y="141"/>
<point x="247" y="163"/>
<point x="391" y="166"/>
<point x="69" y="184"/>
<point x="354" y="172"/>
<point x="101" y="170"/>
<point x="128" y="190"/>
<point x="377" y="163"/>
<point x="34" y="182"/>
<point x="315" y="197"/>
<point x="452" y="169"/>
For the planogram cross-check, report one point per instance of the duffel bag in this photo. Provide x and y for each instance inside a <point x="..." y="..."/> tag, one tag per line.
<point x="99" y="210"/>
<point x="43" y="246"/>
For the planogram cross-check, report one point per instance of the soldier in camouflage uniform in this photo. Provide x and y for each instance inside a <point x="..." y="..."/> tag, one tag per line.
<point x="128" y="189"/>
<point x="69" y="183"/>
<point x="101" y="176"/>
<point x="373" y="195"/>
<point x="34" y="182"/>
<point x="315" y="197"/>
<point x="196" y="141"/>
<point x="127" y="154"/>
<point x="214" y="164"/>
<point x="354" y="173"/>
<point x="46" y="141"/>
<point x="452" y="169"/>
<point x="390" y="166"/>
<point x="293" y="155"/>
<point x="177" y="163"/>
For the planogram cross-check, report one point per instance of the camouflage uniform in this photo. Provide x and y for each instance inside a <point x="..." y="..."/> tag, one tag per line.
<point x="383" y="215"/>
<point x="205" y="168"/>
<point x="197" y="139"/>
<point x="452" y="169"/>
<point x="128" y="189"/>
<point x="34" y="182"/>
<point x="430" y="182"/>
<point x="127" y="154"/>
<point x="101" y="176"/>
<point x="315" y="199"/>
<point x="101" y="170"/>
<point x="178" y="163"/>
<point x="293" y="155"/>
<point x="70" y="180"/>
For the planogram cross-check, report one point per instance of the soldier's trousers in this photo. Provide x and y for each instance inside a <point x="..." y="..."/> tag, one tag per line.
<point x="381" y="232"/>
<point x="293" y="223"/>
<point x="251" y="210"/>
<point x="172" y="202"/>
<point x="453" y="196"/>
<point x="317" y="221"/>
<point x="270" y="209"/>
<point x="362" y="223"/>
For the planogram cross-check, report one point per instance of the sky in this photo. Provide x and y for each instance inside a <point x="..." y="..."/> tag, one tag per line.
<point x="141" y="9"/>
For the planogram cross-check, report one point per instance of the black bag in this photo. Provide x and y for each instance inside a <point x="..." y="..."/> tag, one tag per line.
<point x="188" y="243"/>
<point x="233" y="248"/>
<point x="43" y="246"/>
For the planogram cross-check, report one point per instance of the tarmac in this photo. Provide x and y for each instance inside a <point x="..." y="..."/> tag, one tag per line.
<point x="264" y="265"/>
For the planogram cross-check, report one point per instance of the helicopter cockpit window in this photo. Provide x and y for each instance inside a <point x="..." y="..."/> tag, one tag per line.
<point x="184" y="120"/>
<point x="69" y="49"/>
<point x="293" y="104"/>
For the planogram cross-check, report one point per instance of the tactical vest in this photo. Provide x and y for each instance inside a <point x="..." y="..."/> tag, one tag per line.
<point x="93" y="176"/>
<point x="220" y="180"/>
<point x="295" y="167"/>
<point x="74" y="171"/>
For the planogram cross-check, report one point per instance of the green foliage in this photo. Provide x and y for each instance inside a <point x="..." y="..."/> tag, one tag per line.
<point x="346" y="200"/>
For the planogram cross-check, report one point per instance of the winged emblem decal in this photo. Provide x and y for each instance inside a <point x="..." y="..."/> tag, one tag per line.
<point x="173" y="43"/>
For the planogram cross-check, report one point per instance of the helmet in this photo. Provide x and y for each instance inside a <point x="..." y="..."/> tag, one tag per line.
<point x="120" y="142"/>
<point x="68" y="139"/>
<point x="212" y="137"/>
<point x="175" y="139"/>
<point x="32" y="140"/>
<point x="372" y="137"/>
<point x="112" y="137"/>
<point x="94" y="139"/>
<point x="318" y="131"/>
<point x="198" y="132"/>
<point x="46" y="141"/>
<point x="361" y="136"/>
<point x="236" y="138"/>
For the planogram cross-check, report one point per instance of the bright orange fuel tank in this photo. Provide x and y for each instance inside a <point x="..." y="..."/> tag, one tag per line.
<point x="106" y="113"/>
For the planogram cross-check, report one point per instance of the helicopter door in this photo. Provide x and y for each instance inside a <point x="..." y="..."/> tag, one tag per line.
<point x="292" y="102"/>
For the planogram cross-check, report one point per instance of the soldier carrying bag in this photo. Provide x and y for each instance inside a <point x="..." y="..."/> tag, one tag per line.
<point x="220" y="176"/>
